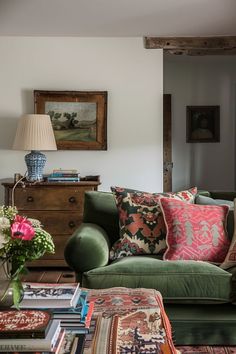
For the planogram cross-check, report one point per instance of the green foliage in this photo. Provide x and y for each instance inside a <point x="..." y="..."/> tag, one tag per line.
<point x="18" y="248"/>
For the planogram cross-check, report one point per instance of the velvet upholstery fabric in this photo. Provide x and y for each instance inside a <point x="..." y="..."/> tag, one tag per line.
<point x="88" y="248"/>
<point x="178" y="281"/>
<point x="100" y="209"/>
<point x="193" y="323"/>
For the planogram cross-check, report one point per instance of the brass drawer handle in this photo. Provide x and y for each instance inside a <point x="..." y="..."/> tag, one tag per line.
<point x="72" y="199"/>
<point x="71" y="224"/>
<point x="30" y="199"/>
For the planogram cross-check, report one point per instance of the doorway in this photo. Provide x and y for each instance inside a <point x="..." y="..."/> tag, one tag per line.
<point x="202" y="81"/>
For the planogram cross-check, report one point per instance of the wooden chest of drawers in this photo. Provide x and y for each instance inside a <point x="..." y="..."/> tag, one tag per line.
<point x="59" y="207"/>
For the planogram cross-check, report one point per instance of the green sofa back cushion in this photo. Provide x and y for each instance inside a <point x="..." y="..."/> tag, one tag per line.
<point x="206" y="200"/>
<point x="100" y="208"/>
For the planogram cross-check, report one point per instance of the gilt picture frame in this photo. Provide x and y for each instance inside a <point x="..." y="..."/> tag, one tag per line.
<point x="202" y="124"/>
<point x="79" y="118"/>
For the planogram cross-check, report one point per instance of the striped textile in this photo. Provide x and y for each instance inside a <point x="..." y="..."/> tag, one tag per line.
<point x="129" y="321"/>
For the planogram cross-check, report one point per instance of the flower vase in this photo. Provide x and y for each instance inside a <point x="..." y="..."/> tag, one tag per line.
<point x="11" y="290"/>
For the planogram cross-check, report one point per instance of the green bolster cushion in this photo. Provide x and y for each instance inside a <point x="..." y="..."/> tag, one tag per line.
<point x="88" y="248"/>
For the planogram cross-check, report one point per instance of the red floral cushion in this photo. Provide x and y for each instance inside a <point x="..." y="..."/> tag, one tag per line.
<point x="142" y="228"/>
<point x="195" y="232"/>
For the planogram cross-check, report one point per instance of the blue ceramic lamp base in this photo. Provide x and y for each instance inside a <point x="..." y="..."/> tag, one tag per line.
<point x="35" y="162"/>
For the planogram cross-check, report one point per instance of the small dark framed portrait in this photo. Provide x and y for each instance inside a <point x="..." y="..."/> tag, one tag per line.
<point x="203" y="124"/>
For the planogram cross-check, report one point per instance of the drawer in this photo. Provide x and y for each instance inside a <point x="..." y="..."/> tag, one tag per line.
<point x="67" y="198"/>
<point x="52" y="259"/>
<point x="56" y="222"/>
<point x="59" y="242"/>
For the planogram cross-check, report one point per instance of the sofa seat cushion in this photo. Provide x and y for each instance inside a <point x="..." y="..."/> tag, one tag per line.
<point x="178" y="281"/>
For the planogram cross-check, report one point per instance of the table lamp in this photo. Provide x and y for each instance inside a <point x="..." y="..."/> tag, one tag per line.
<point x="35" y="132"/>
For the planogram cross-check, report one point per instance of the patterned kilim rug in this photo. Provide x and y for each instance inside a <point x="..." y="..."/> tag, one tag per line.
<point x="206" y="350"/>
<point x="129" y="321"/>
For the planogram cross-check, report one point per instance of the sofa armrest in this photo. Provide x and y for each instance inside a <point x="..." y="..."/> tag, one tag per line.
<point x="232" y="270"/>
<point x="87" y="248"/>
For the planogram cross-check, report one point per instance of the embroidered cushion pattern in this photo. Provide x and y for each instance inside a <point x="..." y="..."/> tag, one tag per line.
<point x="195" y="232"/>
<point x="142" y="227"/>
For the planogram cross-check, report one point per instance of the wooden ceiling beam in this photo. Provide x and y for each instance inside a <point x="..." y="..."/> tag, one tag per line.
<point x="193" y="45"/>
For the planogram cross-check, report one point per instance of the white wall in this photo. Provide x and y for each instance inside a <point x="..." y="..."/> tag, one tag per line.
<point x="202" y="81"/>
<point x="133" y="78"/>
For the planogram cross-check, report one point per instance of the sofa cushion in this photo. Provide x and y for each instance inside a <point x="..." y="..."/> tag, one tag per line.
<point x="230" y="259"/>
<point x="206" y="200"/>
<point x="178" y="281"/>
<point x="196" y="232"/>
<point x="142" y="228"/>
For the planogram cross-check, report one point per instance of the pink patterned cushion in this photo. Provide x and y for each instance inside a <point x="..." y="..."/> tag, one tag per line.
<point x="142" y="228"/>
<point x="195" y="232"/>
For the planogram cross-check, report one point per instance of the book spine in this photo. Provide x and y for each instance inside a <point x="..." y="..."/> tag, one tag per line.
<point x="62" y="179"/>
<point x="64" y="171"/>
<point x="31" y="345"/>
<point x="56" y="179"/>
<point x="63" y="175"/>
<point x="78" y="344"/>
<point x="89" y="315"/>
<point x="5" y="348"/>
<point x="84" y="311"/>
<point x="56" y="350"/>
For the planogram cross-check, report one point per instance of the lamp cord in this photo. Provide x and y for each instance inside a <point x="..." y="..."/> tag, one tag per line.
<point x="14" y="187"/>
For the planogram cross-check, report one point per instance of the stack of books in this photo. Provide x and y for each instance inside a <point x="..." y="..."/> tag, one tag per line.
<point x="76" y="318"/>
<point x="68" y="306"/>
<point x="30" y="331"/>
<point x="60" y="175"/>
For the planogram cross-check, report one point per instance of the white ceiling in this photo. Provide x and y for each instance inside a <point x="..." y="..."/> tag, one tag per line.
<point x="97" y="18"/>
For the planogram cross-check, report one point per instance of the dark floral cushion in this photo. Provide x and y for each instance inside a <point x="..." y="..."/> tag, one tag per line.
<point x="142" y="227"/>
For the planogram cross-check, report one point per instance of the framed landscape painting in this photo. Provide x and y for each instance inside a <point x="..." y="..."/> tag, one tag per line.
<point x="79" y="118"/>
<point x="203" y="124"/>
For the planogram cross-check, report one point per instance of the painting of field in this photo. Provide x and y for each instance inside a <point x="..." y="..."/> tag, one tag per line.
<point x="80" y="134"/>
<point x="73" y="121"/>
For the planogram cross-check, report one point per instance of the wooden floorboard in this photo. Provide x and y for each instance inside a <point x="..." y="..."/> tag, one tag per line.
<point x="49" y="276"/>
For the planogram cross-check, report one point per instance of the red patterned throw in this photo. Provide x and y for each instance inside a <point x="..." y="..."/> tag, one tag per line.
<point x="129" y="321"/>
<point x="24" y="324"/>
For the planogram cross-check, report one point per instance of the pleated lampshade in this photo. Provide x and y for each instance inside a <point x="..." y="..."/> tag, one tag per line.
<point x="35" y="132"/>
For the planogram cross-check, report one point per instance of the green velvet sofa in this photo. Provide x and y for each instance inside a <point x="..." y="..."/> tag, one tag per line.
<point x="198" y="296"/>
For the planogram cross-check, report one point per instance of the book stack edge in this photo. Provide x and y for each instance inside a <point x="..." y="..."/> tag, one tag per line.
<point x="63" y="315"/>
<point x="62" y="175"/>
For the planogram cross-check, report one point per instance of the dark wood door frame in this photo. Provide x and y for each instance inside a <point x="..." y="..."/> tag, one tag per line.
<point x="167" y="144"/>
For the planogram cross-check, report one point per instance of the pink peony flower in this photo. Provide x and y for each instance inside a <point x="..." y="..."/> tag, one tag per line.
<point x="22" y="228"/>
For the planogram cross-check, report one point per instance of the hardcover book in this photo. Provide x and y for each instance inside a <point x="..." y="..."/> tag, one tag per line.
<point x="57" y="349"/>
<point x="50" y="295"/>
<point x="24" y="323"/>
<point x="80" y="326"/>
<point x="73" y="343"/>
<point x="33" y="344"/>
<point x="77" y="312"/>
<point x="60" y="170"/>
